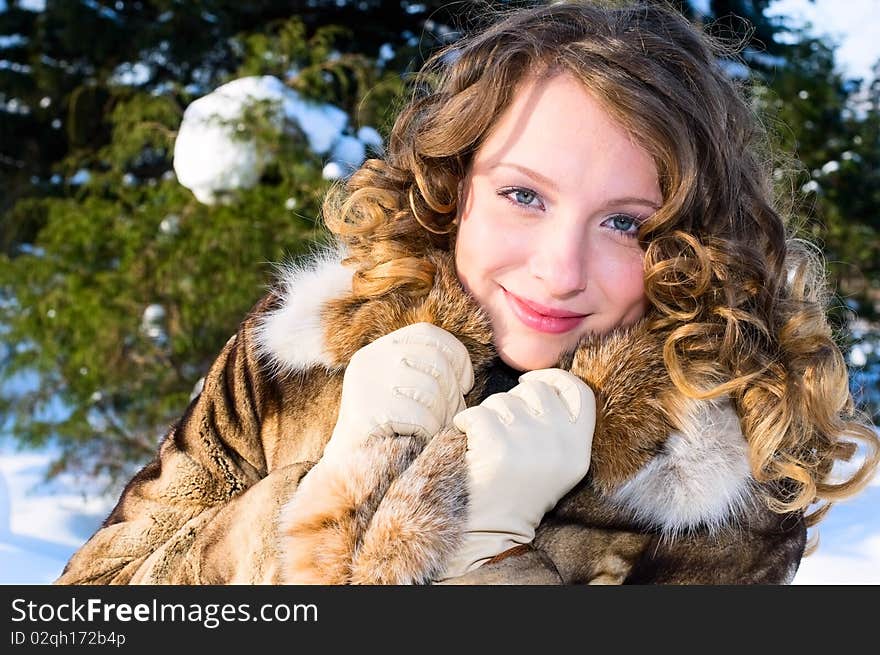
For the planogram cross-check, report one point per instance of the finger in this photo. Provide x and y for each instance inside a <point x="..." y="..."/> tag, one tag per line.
<point x="438" y="389"/>
<point x="433" y="362"/>
<point x="420" y="377"/>
<point x="574" y="392"/>
<point x="430" y="335"/>
<point x="539" y="397"/>
<point x="485" y="435"/>
<point x="414" y="419"/>
<point x="416" y="394"/>
<point x="504" y="406"/>
<point x="476" y="419"/>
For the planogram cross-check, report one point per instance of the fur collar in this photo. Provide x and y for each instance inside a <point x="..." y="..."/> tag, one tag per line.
<point x="291" y="337"/>
<point x="699" y="475"/>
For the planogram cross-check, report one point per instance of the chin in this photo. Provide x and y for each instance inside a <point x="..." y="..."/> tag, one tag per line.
<point x="522" y="359"/>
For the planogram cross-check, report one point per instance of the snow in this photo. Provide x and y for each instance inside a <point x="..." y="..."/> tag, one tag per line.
<point x="734" y="69"/>
<point x="209" y="159"/>
<point x="151" y="322"/>
<point x="28" y="5"/>
<point x="349" y="152"/>
<point x="332" y="171"/>
<point x="12" y="41"/>
<point x="702" y="7"/>
<point x="386" y="53"/>
<point x="371" y="138"/>
<point x="131" y="74"/>
<point x="831" y="167"/>
<point x="41" y="526"/>
<point x="170" y="225"/>
<point x="857" y="356"/>
<point x="82" y="176"/>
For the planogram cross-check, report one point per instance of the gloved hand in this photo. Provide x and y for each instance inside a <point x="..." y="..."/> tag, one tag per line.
<point x="409" y="382"/>
<point x="525" y="450"/>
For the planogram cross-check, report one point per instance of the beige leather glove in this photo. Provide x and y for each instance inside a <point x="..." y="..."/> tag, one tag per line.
<point x="409" y="382"/>
<point x="526" y="449"/>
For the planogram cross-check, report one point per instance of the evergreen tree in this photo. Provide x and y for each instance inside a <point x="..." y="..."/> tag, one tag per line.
<point x="118" y="287"/>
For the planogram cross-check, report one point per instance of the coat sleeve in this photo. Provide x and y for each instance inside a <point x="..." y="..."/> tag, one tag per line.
<point x="205" y="510"/>
<point x="324" y="522"/>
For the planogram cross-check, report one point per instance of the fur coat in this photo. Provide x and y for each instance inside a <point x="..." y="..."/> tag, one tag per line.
<point x="231" y="496"/>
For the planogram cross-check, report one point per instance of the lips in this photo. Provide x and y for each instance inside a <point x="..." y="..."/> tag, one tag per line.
<point x="547" y="311"/>
<point x="541" y="318"/>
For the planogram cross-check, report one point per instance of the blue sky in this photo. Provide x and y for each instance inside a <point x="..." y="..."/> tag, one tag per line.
<point x="853" y="24"/>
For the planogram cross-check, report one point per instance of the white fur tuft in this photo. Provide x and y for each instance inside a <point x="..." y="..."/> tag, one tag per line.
<point x="292" y="336"/>
<point x="702" y="476"/>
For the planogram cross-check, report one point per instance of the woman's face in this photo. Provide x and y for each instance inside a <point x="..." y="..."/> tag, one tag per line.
<point x="548" y="216"/>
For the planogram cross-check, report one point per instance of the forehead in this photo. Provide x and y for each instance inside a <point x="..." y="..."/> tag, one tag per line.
<point x="556" y="125"/>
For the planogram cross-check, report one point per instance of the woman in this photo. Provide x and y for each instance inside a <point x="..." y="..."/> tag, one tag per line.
<point x="570" y="174"/>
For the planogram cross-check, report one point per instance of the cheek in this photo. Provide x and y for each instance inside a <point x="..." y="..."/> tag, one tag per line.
<point x="485" y="244"/>
<point x="621" y="278"/>
<point x="468" y="256"/>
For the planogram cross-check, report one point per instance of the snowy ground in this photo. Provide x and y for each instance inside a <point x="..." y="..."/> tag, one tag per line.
<point x="41" y="526"/>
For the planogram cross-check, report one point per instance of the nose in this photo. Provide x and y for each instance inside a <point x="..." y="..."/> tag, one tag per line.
<point x="559" y="259"/>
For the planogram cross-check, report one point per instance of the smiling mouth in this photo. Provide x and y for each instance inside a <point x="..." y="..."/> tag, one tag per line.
<point x="541" y="318"/>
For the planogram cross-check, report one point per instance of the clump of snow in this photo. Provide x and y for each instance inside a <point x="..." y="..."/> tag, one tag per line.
<point x="386" y="53"/>
<point x="170" y="224"/>
<point x="371" y="138"/>
<point x="210" y="159"/>
<point x="857" y="356"/>
<point x="831" y="167"/>
<point x="332" y="171"/>
<point x="82" y="176"/>
<point x="131" y="74"/>
<point x="349" y="152"/>
<point x="151" y="322"/>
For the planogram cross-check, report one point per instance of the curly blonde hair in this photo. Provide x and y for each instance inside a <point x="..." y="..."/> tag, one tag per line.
<point x="744" y="301"/>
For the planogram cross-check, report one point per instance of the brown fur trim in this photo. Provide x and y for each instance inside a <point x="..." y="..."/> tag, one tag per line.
<point x="418" y="525"/>
<point x="626" y="371"/>
<point x="322" y="525"/>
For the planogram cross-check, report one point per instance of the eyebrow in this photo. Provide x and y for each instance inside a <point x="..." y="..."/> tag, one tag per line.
<point x="547" y="182"/>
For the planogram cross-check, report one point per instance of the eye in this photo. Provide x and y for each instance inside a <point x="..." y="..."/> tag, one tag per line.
<point x="624" y="223"/>
<point x="522" y="197"/>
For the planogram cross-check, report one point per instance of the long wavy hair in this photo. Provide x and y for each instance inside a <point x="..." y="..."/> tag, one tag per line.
<point x="744" y="301"/>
